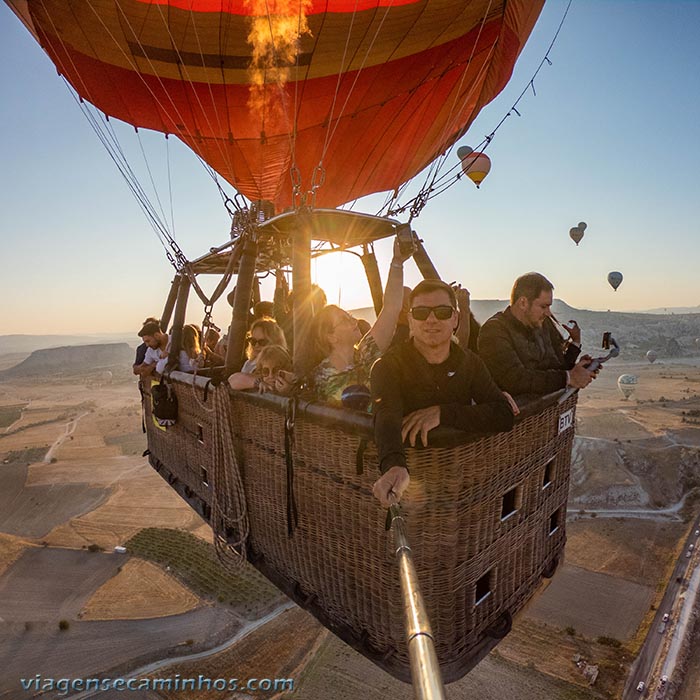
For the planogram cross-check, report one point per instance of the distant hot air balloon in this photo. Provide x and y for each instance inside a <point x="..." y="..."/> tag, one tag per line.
<point x="464" y="151"/>
<point x="627" y="383"/>
<point x="582" y="225"/>
<point x="615" y="279"/>
<point x="576" y="234"/>
<point x="651" y="356"/>
<point x="475" y="165"/>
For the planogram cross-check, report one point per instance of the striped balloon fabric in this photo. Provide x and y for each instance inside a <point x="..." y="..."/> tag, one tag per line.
<point x="340" y="98"/>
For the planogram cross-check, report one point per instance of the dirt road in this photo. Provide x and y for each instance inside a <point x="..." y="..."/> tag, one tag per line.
<point x="68" y="430"/>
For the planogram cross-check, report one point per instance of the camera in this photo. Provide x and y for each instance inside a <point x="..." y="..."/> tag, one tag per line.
<point x="407" y="239"/>
<point x="609" y="343"/>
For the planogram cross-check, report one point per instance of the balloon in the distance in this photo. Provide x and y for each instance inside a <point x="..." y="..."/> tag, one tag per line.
<point x="651" y="356"/>
<point x="576" y="234"/>
<point x="615" y="279"/>
<point x="582" y="225"/>
<point x="627" y="383"/>
<point x="475" y="166"/>
<point x="464" y="151"/>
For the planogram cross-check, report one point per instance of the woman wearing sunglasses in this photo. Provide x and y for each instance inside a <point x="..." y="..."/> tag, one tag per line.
<point x="263" y="332"/>
<point x="274" y="370"/>
<point x="347" y="354"/>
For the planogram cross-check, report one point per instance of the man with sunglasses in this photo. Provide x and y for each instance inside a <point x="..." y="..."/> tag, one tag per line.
<point x="525" y="352"/>
<point x="429" y="381"/>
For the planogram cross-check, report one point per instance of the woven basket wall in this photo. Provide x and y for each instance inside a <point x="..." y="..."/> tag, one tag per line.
<point x="486" y="516"/>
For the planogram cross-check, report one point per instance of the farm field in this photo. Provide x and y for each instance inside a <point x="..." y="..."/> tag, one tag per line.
<point x="195" y="563"/>
<point x="634" y="550"/>
<point x="619" y="606"/>
<point x="139" y="590"/>
<point x="33" y="511"/>
<point x="10" y="549"/>
<point x="46" y="584"/>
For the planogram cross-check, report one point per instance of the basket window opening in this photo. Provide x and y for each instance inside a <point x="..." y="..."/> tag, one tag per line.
<point x="510" y="502"/>
<point x="484" y="587"/>
<point x="554" y="521"/>
<point x="548" y="473"/>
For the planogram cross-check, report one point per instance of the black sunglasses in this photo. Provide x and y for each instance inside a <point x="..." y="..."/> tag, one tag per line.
<point x="269" y="371"/>
<point x="258" y="341"/>
<point x="441" y="313"/>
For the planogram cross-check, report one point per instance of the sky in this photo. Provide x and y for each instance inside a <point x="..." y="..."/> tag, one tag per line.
<point x="610" y="138"/>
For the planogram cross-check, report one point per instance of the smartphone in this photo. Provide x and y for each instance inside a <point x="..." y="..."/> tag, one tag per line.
<point x="406" y="237"/>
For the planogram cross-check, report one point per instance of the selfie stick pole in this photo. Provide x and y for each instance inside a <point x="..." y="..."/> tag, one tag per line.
<point x="425" y="670"/>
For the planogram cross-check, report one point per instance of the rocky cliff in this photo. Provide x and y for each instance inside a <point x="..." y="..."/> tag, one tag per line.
<point x="73" y="359"/>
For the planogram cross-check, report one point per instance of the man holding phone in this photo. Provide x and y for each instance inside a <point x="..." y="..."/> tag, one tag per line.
<point x="523" y="349"/>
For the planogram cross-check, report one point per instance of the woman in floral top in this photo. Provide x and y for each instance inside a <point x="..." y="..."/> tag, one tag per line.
<point x="348" y="356"/>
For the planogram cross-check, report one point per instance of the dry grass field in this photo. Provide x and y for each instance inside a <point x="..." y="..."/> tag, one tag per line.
<point x="33" y="511"/>
<point x="140" y="500"/>
<point x="140" y="590"/>
<point x="10" y="549"/>
<point x="635" y="550"/>
<point x="107" y="490"/>
<point x="545" y="649"/>
<point x="593" y="604"/>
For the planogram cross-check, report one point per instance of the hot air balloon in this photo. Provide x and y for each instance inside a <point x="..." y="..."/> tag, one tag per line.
<point x="651" y="356"/>
<point x="627" y="383"/>
<point x="475" y="165"/>
<point x="615" y="279"/>
<point x="576" y="234"/>
<point x="303" y="106"/>
<point x="582" y="225"/>
<point x="464" y="151"/>
<point x="332" y="97"/>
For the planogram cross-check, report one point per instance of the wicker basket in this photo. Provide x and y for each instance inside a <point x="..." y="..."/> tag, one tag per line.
<point x="485" y="517"/>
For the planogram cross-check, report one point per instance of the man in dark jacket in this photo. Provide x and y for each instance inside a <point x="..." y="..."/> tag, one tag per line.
<point x="428" y="381"/>
<point x="524" y="351"/>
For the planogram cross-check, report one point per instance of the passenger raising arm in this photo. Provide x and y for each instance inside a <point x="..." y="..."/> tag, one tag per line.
<point x="347" y="354"/>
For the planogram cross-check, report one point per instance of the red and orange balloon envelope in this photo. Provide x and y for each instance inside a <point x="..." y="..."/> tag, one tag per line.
<point x="281" y="95"/>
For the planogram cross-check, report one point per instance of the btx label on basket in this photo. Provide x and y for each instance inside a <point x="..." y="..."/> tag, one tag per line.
<point x="566" y="420"/>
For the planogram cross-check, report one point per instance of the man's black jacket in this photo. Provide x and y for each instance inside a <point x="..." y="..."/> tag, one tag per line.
<point x="403" y="381"/>
<point x="525" y="360"/>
